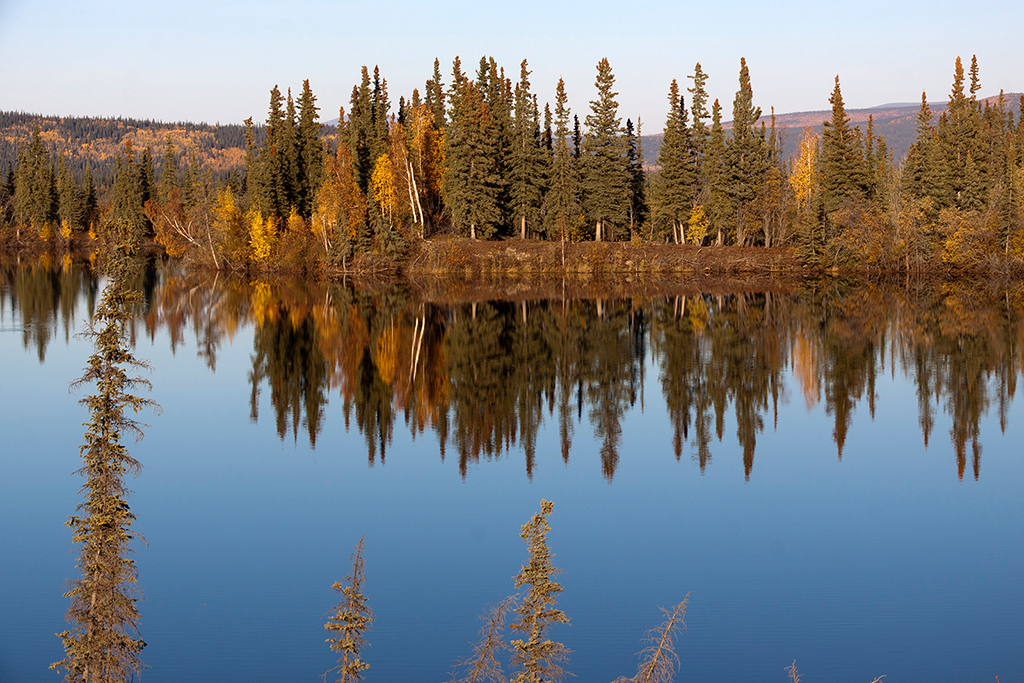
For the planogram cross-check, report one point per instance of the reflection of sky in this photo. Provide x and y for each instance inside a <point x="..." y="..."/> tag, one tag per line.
<point x="881" y="563"/>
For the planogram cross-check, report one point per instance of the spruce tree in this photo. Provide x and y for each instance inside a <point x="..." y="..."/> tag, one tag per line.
<point x="69" y="210"/>
<point x="126" y="196"/>
<point x="957" y="134"/>
<point x="605" y="172"/>
<point x="361" y="130"/>
<point x="169" y="181"/>
<point x="470" y="182"/>
<point x="35" y="197"/>
<point x="637" y="178"/>
<point x="746" y="158"/>
<point x="90" y="203"/>
<point x="537" y="658"/>
<point x="349" y="621"/>
<point x="577" y="137"/>
<point x="698" y="108"/>
<point x="527" y="163"/>
<point x="103" y="643"/>
<point x="381" y="116"/>
<point x="287" y="146"/>
<point x="435" y="96"/>
<point x="677" y="177"/>
<point x="147" y="176"/>
<point x="718" y="205"/>
<point x="925" y="163"/>
<point x="311" y="152"/>
<point x="562" y="203"/>
<point x="498" y="101"/>
<point x="842" y="166"/>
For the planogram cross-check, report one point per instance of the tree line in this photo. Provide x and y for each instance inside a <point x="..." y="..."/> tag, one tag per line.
<point x="477" y="156"/>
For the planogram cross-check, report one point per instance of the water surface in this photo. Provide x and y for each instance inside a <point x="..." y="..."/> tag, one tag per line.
<point x="831" y="471"/>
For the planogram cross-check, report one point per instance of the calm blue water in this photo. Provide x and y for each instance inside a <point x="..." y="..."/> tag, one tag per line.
<point x="882" y="562"/>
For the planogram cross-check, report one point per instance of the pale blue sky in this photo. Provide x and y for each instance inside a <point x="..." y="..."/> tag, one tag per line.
<point x="216" y="60"/>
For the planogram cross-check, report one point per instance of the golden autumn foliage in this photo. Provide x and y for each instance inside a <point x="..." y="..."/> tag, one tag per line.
<point x="382" y="184"/>
<point x="805" y="178"/>
<point x="968" y="238"/>
<point x="697" y="225"/>
<point x="262" y="235"/>
<point x="229" y="225"/>
<point x="340" y="208"/>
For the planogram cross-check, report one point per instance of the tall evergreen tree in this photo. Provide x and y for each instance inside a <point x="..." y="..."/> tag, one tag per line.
<point x="958" y="137"/>
<point x="147" y="176"/>
<point x="637" y="178"/>
<point x="746" y="157"/>
<point x="103" y="643"/>
<point x="69" y="209"/>
<point x="470" y="181"/>
<point x="527" y="163"/>
<point x="35" y="196"/>
<point x="361" y="130"/>
<point x="677" y="175"/>
<point x="380" y="117"/>
<point x="925" y="165"/>
<point x="169" y="181"/>
<point x="90" y="203"/>
<point x="577" y="137"/>
<point x="435" y="96"/>
<point x="699" y="109"/>
<point x="311" y="151"/>
<point x="605" y="172"/>
<point x="126" y="196"/>
<point x="842" y="166"/>
<point x="718" y="205"/>
<point x="562" y="202"/>
<point x="272" y="181"/>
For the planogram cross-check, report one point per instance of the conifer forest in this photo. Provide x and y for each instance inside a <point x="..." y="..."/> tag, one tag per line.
<point x="476" y="155"/>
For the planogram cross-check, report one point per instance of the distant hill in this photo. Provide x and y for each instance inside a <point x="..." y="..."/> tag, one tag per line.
<point x="896" y="122"/>
<point x="219" y="149"/>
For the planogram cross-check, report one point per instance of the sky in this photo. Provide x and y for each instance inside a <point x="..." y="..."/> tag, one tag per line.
<point x="216" y="60"/>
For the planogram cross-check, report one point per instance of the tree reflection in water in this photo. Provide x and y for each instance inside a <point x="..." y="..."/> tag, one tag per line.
<point x="484" y="375"/>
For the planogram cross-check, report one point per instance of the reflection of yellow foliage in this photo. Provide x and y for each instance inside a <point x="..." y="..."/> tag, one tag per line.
<point x="698" y="314"/>
<point x="65" y="263"/>
<point x="262" y="235"/>
<point x="698" y="224"/>
<point x="805" y="367"/>
<point x="386" y="353"/>
<point x="263" y="307"/>
<point x="967" y="311"/>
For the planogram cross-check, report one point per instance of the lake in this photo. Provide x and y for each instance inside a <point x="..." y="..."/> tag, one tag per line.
<point x="832" y="471"/>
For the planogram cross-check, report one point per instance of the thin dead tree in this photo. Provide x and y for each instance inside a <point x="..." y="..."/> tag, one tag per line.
<point x="349" y="621"/>
<point x="483" y="664"/>
<point x="659" y="658"/>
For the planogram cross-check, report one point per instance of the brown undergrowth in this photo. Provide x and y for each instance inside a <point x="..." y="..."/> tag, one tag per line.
<point x="517" y="258"/>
